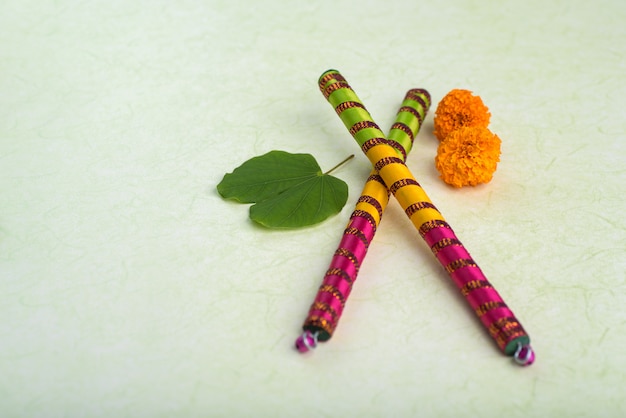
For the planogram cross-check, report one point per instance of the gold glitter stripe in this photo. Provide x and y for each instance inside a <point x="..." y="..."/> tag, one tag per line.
<point x="424" y="106"/>
<point x="380" y="164"/>
<point x="326" y="288"/>
<point x="371" y="201"/>
<point x="340" y="273"/>
<point x="348" y="105"/>
<point x="357" y="233"/>
<point x="321" y="306"/>
<point x="320" y="322"/>
<point x="506" y="326"/>
<point x="402" y="183"/>
<point x="503" y="340"/>
<point x="460" y="263"/>
<point x="474" y="285"/>
<point x="334" y="87"/>
<point x="364" y="124"/>
<point x="506" y="329"/>
<point x="368" y="217"/>
<point x="350" y="256"/>
<point x="399" y="148"/>
<point x="445" y="242"/>
<point x="371" y="143"/>
<point x="379" y="179"/>
<point x="489" y="306"/>
<point x="416" y="95"/>
<point x="412" y="111"/>
<point x="430" y="225"/>
<point x="404" y="128"/>
<point x="416" y="207"/>
<point x="330" y="76"/>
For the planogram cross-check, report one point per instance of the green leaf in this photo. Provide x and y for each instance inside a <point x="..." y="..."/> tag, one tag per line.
<point x="289" y="190"/>
<point x="267" y="175"/>
<point x="308" y="203"/>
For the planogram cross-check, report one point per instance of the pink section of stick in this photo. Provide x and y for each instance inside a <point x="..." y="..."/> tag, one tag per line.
<point x="496" y="314"/>
<point x="330" y="300"/>
<point x="437" y="234"/>
<point x="353" y="244"/>
<point x="452" y="253"/>
<point x="342" y="263"/>
<point x="467" y="274"/>
<point x="364" y="226"/>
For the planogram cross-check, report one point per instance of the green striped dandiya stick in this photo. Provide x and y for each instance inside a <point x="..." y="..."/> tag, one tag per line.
<point x="338" y="281"/>
<point x="488" y="305"/>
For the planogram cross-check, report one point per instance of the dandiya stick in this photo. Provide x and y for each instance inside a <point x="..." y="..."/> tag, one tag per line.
<point x="487" y="304"/>
<point x="332" y="295"/>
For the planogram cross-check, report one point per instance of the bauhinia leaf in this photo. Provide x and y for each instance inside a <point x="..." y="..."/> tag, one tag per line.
<point x="289" y="190"/>
<point x="307" y="203"/>
<point x="267" y="175"/>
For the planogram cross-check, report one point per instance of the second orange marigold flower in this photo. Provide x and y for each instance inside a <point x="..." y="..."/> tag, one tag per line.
<point x="468" y="156"/>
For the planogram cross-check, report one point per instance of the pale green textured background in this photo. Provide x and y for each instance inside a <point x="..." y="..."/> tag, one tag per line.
<point x="128" y="288"/>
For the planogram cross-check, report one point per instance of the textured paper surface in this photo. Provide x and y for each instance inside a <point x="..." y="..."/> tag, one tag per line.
<point x="129" y="288"/>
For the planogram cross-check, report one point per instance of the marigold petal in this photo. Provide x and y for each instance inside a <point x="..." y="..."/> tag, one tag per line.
<point x="468" y="156"/>
<point x="457" y="109"/>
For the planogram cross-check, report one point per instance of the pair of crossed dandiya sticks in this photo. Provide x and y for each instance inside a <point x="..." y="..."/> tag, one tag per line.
<point x="391" y="175"/>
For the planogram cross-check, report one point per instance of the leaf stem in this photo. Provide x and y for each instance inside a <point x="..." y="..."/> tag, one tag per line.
<point x="340" y="164"/>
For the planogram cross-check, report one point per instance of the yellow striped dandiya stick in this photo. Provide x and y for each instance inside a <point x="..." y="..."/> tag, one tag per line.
<point x="338" y="281"/>
<point x="487" y="304"/>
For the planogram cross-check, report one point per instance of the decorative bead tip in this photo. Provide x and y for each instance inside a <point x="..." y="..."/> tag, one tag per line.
<point x="307" y="341"/>
<point x="524" y="356"/>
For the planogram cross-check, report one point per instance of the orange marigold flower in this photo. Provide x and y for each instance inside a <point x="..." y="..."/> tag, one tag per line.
<point x="468" y="156"/>
<point x="457" y="109"/>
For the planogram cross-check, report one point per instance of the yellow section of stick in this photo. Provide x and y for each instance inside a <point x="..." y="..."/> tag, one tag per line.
<point x="408" y="195"/>
<point x="376" y="191"/>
